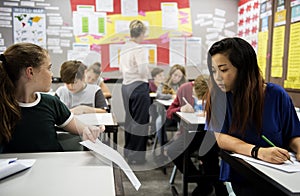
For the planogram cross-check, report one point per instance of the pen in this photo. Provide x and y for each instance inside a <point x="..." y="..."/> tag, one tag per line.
<point x="185" y="100"/>
<point x="271" y="143"/>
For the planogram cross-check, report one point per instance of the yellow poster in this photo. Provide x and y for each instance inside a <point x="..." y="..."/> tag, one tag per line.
<point x="277" y="51"/>
<point x="280" y="18"/>
<point x="293" y="75"/>
<point x="262" y="50"/>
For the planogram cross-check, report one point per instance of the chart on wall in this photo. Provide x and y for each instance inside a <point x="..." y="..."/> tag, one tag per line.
<point x="105" y="23"/>
<point x="29" y="25"/>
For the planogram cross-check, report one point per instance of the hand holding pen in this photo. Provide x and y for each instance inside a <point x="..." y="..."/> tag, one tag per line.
<point x="187" y="107"/>
<point x="276" y="154"/>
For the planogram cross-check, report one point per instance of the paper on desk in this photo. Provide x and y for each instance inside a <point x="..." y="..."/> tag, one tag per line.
<point x="96" y="118"/>
<point x="114" y="156"/>
<point x="286" y="166"/>
<point x="14" y="165"/>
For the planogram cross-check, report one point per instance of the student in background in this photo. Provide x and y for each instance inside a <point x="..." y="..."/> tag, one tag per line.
<point x="79" y="96"/>
<point x="29" y="118"/>
<point x="190" y="97"/>
<point x="135" y="93"/>
<point x="252" y="108"/>
<point x="166" y="91"/>
<point x="176" y="77"/>
<point x="92" y="76"/>
<point x="158" y="77"/>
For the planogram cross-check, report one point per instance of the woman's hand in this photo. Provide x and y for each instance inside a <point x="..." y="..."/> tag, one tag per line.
<point x="92" y="132"/>
<point x="187" y="108"/>
<point x="274" y="155"/>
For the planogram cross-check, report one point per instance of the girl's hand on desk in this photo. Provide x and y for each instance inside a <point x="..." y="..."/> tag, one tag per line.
<point x="92" y="132"/>
<point x="187" y="108"/>
<point x="273" y="155"/>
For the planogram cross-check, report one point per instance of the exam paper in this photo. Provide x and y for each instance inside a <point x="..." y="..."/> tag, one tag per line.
<point x="287" y="166"/>
<point x="114" y="156"/>
<point x="96" y="118"/>
<point x="14" y="165"/>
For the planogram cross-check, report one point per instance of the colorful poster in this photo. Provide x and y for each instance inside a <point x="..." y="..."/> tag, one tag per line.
<point x="293" y="76"/>
<point x="277" y="51"/>
<point x="29" y="25"/>
<point x="262" y="50"/>
<point x="280" y="18"/>
<point x="248" y="21"/>
<point x="295" y="13"/>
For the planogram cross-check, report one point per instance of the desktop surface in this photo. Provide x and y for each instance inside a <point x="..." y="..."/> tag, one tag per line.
<point x="60" y="173"/>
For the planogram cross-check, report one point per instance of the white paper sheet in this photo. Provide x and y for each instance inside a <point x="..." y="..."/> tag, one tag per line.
<point x="287" y="166"/>
<point x="96" y="118"/>
<point x="169" y="15"/>
<point x="114" y="156"/>
<point x="193" y="51"/>
<point x="177" y="48"/>
<point x="129" y="7"/>
<point x="104" y="5"/>
<point x="14" y="165"/>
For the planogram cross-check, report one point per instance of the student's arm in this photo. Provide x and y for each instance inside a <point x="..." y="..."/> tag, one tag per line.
<point x="233" y="144"/>
<point x="100" y="102"/>
<point x="173" y="108"/>
<point x="105" y="90"/>
<point x="88" y="132"/>
<point x="295" y="146"/>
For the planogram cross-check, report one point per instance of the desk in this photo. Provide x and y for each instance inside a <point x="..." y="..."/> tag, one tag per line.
<point x="265" y="177"/>
<point x="106" y="119"/>
<point x="60" y="173"/>
<point x="193" y="133"/>
<point x="165" y="103"/>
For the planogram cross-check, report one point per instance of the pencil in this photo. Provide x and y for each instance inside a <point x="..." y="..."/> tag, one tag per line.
<point x="271" y="143"/>
<point x="185" y="100"/>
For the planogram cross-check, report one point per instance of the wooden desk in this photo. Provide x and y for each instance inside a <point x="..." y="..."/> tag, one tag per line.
<point x="264" y="177"/>
<point x="61" y="173"/>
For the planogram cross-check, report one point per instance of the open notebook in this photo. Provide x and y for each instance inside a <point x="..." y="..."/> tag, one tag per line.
<point x="11" y="166"/>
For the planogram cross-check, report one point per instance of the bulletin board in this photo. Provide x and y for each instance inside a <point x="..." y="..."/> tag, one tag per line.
<point x="150" y="12"/>
<point x="279" y="49"/>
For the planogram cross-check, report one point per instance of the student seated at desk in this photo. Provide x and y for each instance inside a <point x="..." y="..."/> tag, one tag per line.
<point x="29" y="118"/>
<point x="166" y="91"/>
<point x="79" y="96"/>
<point x="158" y="77"/>
<point x="252" y="108"/>
<point x="176" y="77"/>
<point x="189" y="95"/>
<point x="92" y="76"/>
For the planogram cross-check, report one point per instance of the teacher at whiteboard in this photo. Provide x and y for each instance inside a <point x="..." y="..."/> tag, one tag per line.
<point x="135" y="93"/>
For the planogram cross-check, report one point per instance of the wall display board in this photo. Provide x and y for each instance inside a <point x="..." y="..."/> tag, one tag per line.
<point x="106" y="31"/>
<point x="279" y="44"/>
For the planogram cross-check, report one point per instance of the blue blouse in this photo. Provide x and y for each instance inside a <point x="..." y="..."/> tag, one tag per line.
<point x="280" y="124"/>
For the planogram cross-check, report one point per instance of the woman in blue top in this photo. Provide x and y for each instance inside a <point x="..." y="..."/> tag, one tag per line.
<point x="251" y="108"/>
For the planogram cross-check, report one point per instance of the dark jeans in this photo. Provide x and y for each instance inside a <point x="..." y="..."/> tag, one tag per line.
<point x="136" y="102"/>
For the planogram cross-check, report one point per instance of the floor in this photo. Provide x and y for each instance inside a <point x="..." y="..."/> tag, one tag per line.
<point x="154" y="179"/>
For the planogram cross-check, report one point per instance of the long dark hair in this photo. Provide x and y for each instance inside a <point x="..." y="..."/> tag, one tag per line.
<point x="248" y="92"/>
<point x="15" y="59"/>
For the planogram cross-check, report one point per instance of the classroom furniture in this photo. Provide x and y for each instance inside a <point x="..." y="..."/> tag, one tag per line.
<point x="264" y="177"/>
<point x="63" y="173"/>
<point x="107" y="119"/>
<point x="165" y="104"/>
<point x="192" y="124"/>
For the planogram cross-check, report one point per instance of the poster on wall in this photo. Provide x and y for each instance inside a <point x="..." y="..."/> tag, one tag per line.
<point x="29" y="25"/>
